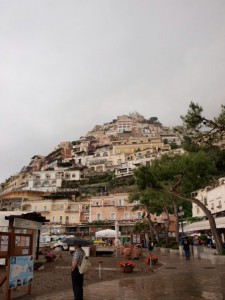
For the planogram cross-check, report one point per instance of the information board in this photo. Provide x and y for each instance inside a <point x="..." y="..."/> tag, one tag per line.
<point x="21" y="271"/>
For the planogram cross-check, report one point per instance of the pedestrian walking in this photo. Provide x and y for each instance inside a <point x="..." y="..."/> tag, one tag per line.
<point x="77" y="278"/>
<point x="186" y="247"/>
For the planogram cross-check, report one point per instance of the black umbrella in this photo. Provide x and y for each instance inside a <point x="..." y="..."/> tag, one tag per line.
<point x="72" y="241"/>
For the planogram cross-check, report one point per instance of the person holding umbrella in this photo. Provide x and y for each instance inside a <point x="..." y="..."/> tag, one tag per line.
<point x="77" y="278"/>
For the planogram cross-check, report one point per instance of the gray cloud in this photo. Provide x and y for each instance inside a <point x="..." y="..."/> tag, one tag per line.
<point x="68" y="65"/>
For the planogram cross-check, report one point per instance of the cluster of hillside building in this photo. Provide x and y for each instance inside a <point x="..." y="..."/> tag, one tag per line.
<point x="118" y="148"/>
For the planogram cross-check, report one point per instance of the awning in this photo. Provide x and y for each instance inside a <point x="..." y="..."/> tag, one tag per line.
<point x="204" y="225"/>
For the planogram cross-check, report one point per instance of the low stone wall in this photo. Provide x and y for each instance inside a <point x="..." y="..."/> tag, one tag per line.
<point x="174" y="252"/>
<point x="218" y="259"/>
<point x="203" y="252"/>
<point x="208" y="253"/>
<point x="165" y="250"/>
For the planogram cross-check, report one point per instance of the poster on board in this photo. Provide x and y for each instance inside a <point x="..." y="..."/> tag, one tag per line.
<point x="4" y="240"/>
<point x="21" y="270"/>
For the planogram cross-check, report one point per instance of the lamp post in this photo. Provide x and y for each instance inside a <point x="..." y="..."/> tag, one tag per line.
<point x="180" y="215"/>
<point x="116" y="236"/>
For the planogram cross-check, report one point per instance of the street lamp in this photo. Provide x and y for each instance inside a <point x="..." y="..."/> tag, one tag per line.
<point x="180" y="215"/>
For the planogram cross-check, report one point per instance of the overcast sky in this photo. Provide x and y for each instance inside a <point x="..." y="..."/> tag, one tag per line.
<point x="67" y="65"/>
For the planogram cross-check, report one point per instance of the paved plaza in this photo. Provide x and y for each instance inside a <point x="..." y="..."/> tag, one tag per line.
<point x="176" y="279"/>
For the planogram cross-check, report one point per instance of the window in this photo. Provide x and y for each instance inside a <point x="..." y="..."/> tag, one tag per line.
<point x="219" y="205"/>
<point x="35" y="208"/>
<point x="67" y="176"/>
<point x="45" y="208"/>
<point x="113" y="216"/>
<point x="139" y="215"/>
<point x="87" y="218"/>
<point x="60" y="219"/>
<point x="205" y="200"/>
<point x="53" y="219"/>
<point x="121" y="202"/>
<point x="212" y="206"/>
<point x="127" y="216"/>
<point x="99" y="217"/>
<point x="197" y="210"/>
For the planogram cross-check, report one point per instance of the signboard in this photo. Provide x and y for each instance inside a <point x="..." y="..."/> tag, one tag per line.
<point x="21" y="271"/>
<point x="4" y="241"/>
<point x="22" y="223"/>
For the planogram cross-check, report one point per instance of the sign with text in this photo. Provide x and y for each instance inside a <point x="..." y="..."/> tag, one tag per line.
<point x="21" y="271"/>
<point x="22" y="223"/>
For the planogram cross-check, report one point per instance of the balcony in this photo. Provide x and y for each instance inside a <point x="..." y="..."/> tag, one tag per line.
<point x="85" y="211"/>
<point x="71" y="210"/>
<point x="43" y="211"/>
<point x="120" y="206"/>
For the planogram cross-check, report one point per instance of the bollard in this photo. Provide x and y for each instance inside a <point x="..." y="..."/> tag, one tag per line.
<point x="100" y="268"/>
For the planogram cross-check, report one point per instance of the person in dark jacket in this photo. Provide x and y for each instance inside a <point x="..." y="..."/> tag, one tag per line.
<point x="186" y="247"/>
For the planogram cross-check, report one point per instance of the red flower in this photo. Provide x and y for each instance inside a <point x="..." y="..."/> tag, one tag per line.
<point x="127" y="263"/>
<point x="154" y="259"/>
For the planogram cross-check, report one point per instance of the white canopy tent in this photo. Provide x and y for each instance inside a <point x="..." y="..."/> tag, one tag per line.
<point x="203" y="225"/>
<point x="107" y="233"/>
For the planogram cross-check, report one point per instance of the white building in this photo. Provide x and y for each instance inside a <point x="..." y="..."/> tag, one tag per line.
<point x="212" y="197"/>
<point x="49" y="181"/>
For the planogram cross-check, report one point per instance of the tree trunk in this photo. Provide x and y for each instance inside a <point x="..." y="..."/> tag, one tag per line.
<point x="167" y="224"/>
<point x="150" y="227"/>
<point x="210" y="217"/>
<point x="175" y="211"/>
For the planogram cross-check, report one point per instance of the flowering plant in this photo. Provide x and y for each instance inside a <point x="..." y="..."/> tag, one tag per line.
<point x="154" y="259"/>
<point x="50" y="256"/>
<point x="127" y="263"/>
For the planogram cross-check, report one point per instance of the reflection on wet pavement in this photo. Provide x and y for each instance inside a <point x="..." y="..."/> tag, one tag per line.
<point x="178" y="279"/>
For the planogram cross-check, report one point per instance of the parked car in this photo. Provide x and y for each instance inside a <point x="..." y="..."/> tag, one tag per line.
<point x="61" y="245"/>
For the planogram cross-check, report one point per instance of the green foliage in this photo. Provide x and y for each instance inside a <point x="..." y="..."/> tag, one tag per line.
<point x="186" y="173"/>
<point x="203" y="130"/>
<point x="140" y="227"/>
<point x="203" y="237"/>
<point x="146" y="178"/>
<point x="99" y="178"/>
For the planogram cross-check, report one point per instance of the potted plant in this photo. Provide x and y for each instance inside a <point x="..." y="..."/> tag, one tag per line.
<point x="50" y="256"/>
<point x="39" y="265"/>
<point x="127" y="266"/>
<point x="151" y="259"/>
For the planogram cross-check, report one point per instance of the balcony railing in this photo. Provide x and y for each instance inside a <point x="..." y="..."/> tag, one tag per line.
<point x="71" y="210"/>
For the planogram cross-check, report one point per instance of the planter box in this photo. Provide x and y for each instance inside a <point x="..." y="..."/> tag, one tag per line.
<point x="174" y="251"/>
<point x="165" y="250"/>
<point x="181" y="250"/>
<point x="156" y="249"/>
<point x="218" y="259"/>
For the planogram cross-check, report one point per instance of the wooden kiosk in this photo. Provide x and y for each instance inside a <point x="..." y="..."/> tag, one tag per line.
<point x="19" y="247"/>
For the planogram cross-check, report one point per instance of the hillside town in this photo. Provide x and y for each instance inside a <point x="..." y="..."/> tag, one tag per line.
<point x="72" y="186"/>
<point x="54" y="185"/>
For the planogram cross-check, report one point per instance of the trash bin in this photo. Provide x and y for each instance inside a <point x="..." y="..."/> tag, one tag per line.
<point x="93" y="250"/>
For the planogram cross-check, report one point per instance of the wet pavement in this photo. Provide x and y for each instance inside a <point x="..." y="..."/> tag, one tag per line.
<point x="176" y="279"/>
